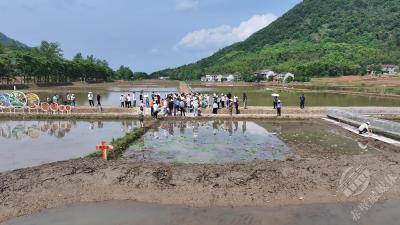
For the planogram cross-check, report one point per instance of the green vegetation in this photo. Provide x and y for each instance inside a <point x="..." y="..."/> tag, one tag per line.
<point x="6" y="41"/>
<point x="121" y="144"/>
<point x="315" y="38"/>
<point x="124" y="73"/>
<point x="46" y="64"/>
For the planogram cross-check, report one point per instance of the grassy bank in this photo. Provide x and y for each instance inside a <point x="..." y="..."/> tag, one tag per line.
<point x="122" y="144"/>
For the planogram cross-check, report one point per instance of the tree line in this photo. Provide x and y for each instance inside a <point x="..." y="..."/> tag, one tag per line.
<point x="46" y="64"/>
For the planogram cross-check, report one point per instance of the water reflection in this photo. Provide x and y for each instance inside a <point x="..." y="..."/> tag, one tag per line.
<point x="32" y="143"/>
<point x="218" y="126"/>
<point x="57" y="129"/>
<point x="217" y="141"/>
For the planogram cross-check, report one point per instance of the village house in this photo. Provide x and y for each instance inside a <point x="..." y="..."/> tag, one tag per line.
<point x="231" y="78"/>
<point x="284" y="76"/>
<point x="219" y="78"/>
<point x="265" y="74"/>
<point x="210" y="78"/>
<point x="390" y="69"/>
<point x="271" y="75"/>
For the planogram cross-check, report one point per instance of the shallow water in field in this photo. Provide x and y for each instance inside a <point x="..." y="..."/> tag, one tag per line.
<point x="257" y="96"/>
<point x="262" y="97"/>
<point x="222" y="141"/>
<point x="132" y="213"/>
<point x="319" y="136"/>
<point x="109" y="97"/>
<point x="31" y="143"/>
<point x="208" y="142"/>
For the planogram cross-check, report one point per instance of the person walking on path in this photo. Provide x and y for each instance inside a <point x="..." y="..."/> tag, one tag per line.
<point x="69" y="98"/>
<point x="128" y="103"/>
<point x="182" y="107"/>
<point x="170" y="107"/>
<point x="245" y="100"/>
<point x="275" y="101"/>
<point x="122" y="100"/>
<point x="230" y="107"/>
<point x="215" y="107"/>
<point x="134" y="99"/>
<point x="236" y="104"/>
<point x="141" y="115"/>
<point x="90" y="98"/>
<point x="195" y="108"/>
<point x="302" y="101"/>
<point x="229" y="98"/>
<point x="152" y="107"/>
<point x="73" y="100"/>
<point x="279" y="108"/>
<point x="155" y="109"/>
<point x="98" y="100"/>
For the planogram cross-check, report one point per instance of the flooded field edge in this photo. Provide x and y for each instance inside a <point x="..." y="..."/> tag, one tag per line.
<point x="312" y="179"/>
<point x="135" y="213"/>
<point x="306" y="181"/>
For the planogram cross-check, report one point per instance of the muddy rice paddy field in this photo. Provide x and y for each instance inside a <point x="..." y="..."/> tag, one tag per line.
<point x="198" y="171"/>
<point x="209" y="165"/>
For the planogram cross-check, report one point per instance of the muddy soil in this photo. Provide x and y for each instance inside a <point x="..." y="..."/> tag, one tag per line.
<point x="312" y="179"/>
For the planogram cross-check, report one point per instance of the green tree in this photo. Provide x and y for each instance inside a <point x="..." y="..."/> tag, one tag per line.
<point x="140" y="75"/>
<point x="124" y="73"/>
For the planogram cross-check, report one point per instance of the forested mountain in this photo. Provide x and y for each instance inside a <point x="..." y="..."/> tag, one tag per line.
<point x="315" y="38"/>
<point x="6" y="41"/>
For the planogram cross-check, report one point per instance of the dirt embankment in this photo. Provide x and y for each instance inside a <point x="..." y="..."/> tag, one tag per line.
<point x="268" y="183"/>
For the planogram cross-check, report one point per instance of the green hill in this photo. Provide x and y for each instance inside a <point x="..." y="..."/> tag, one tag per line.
<point x="315" y="38"/>
<point x="6" y="41"/>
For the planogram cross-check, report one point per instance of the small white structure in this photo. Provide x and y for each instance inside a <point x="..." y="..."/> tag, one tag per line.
<point x="231" y="78"/>
<point x="390" y="69"/>
<point x="287" y="75"/>
<point x="284" y="76"/>
<point x="211" y="77"/>
<point x="265" y="74"/>
<point x="220" y="78"/>
<point x="163" y="78"/>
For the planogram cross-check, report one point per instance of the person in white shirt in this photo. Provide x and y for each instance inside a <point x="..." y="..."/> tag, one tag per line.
<point x="69" y="99"/>
<point x="215" y="107"/>
<point x="195" y="108"/>
<point x="128" y="101"/>
<point x="122" y="100"/>
<point x="73" y="100"/>
<point x="134" y="99"/>
<point x="364" y="128"/>
<point x="90" y="98"/>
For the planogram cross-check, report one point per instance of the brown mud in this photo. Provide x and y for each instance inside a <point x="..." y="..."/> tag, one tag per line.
<point x="312" y="179"/>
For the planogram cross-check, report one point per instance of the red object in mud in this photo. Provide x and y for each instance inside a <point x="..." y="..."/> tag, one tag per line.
<point x="103" y="147"/>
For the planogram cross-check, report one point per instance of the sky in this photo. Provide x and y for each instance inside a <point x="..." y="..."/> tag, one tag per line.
<point x="146" y="35"/>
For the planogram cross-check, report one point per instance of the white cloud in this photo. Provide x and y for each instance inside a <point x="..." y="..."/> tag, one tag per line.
<point x="213" y="38"/>
<point x="186" y="4"/>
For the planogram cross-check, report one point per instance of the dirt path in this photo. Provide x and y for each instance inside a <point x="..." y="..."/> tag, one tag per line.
<point x="184" y="87"/>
